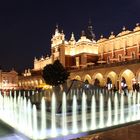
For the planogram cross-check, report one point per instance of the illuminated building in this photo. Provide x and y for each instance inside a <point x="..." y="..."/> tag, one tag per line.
<point x="110" y="58"/>
<point x="8" y="80"/>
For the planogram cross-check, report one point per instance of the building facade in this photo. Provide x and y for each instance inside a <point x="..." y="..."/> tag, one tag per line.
<point x="104" y="60"/>
<point x="8" y="80"/>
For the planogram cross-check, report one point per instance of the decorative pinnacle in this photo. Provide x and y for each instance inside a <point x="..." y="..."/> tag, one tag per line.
<point x="123" y="28"/>
<point x="83" y="33"/>
<point x="112" y="33"/>
<point x="56" y="26"/>
<point x="72" y="36"/>
<point x="56" y="30"/>
<point x="137" y="24"/>
<point x="35" y="58"/>
<point x="101" y="36"/>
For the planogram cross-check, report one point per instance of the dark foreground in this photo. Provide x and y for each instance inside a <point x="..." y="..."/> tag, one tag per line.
<point x="130" y="132"/>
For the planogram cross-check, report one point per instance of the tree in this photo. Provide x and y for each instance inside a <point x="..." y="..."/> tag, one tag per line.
<point x="55" y="74"/>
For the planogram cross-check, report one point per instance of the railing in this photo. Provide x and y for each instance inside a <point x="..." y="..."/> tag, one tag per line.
<point x="97" y="66"/>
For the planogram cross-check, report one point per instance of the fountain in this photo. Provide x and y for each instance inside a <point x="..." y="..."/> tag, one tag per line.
<point x="109" y="120"/>
<point x="25" y="125"/>
<point x="138" y="107"/>
<point x="122" y="108"/>
<point x="29" y="117"/>
<point x="93" y="113"/>
<point x="34" y="122"/>
<point x="129" y="116"/>
<point x="43" y="125"/>
<point x="134" y="106"/>
<point x="101" y="117"/>
<point x="43" y="118"/>
<point x="84" y="112"/>
<point x="116" y="109"/>
<point x="64" y="115"/>
<point x="53" y="117"/>
<point x="74" y="115"/>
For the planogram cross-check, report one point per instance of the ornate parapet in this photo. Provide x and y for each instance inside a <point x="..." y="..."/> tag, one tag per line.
<point x="42" y="62"/>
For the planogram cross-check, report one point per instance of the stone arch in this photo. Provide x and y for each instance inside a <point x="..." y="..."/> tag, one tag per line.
<point x="113" y="77"/>
<point x="87" y="78"/>
<point x="20" y="84"/>
<point x="25" y="83"/>
<point x="32" y="83"/>
<point x="120" y="57"/>
<point x="98" y="77"/>
<point x="28" y="83"/>
<point x="36" y="83"/>
<point x="128" y="75"/>
<point x="77" y="77"/>
<point x="40" y="81"/>
<point x="138" y="76"/>
<point x="109" y="84"/>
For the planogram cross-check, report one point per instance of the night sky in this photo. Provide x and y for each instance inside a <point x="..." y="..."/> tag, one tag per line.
<point x="26" y="27"/>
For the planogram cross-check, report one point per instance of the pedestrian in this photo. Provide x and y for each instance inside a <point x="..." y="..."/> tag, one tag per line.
<point x="137" y="87"/>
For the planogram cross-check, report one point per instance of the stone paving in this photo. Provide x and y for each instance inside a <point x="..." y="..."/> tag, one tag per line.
<point x="131" y="132"/>
<point x="7" y="133"/>
<point x="4" y="130"/>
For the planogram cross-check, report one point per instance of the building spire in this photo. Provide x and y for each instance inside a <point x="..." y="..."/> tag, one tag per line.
<point x="83" y="33"/>
<point x="72" y="39"/>
<point x="90" y="24"/>
<point x="72" y="36"/>
<point x="56" y="30"/>
<point x="89" y="31"/>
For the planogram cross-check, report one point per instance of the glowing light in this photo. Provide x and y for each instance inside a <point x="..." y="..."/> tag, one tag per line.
<point x="53" y="117"/>
<point x="101" y="122"/>
<point x="26" y="119"/>
<point x="93" y="113"/>
<point x="74" y="115"/>
<point x="109" y="121"/>
<point x="64" y="114"/>
<point x="84" y="112"/>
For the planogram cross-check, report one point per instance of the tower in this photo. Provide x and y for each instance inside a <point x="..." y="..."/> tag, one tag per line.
<point x="89" y="31"/>
<point x="57" y="46"/>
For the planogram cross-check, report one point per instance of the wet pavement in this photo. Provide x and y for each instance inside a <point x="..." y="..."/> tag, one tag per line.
<point x="7" y="133"/>
<point x="5" y="130"/>
<point x="130" y="132"/>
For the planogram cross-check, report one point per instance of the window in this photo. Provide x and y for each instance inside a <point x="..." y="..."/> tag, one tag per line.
<point x="77" y="61"/>
<point x="108" y="59"/>
<point x="133" y="55"/>
<point x="120" y="58"/>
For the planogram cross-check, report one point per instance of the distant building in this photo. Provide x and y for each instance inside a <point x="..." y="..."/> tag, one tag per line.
<point x="88" y="59"/>
<point x="31" y="79"/>
<point x="8" y="80"/>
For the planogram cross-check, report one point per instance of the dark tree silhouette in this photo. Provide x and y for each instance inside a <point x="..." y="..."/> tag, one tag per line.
<point x="55" y="74"/>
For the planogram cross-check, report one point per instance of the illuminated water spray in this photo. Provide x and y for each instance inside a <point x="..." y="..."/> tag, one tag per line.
<point x="53" y="117"/>
<point x="116" y="109"/>
<point x="122" y="109"/>
<point x="84" y="112"/>
<point x="64" y="114"/>
<point x="109" y="119"/>
<point x="101" y="118"/>
<point x="93" y="113"/>
<point x="43" y="118"/>
<point x="74" y="115"/>
<point x="33" y="122"/>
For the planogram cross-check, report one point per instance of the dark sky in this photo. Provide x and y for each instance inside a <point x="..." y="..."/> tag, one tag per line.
<point x="26" y="27"/>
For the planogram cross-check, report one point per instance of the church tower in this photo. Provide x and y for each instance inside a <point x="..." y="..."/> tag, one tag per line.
<point x="58" y="46"/>
<point x="89" y="31"/>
